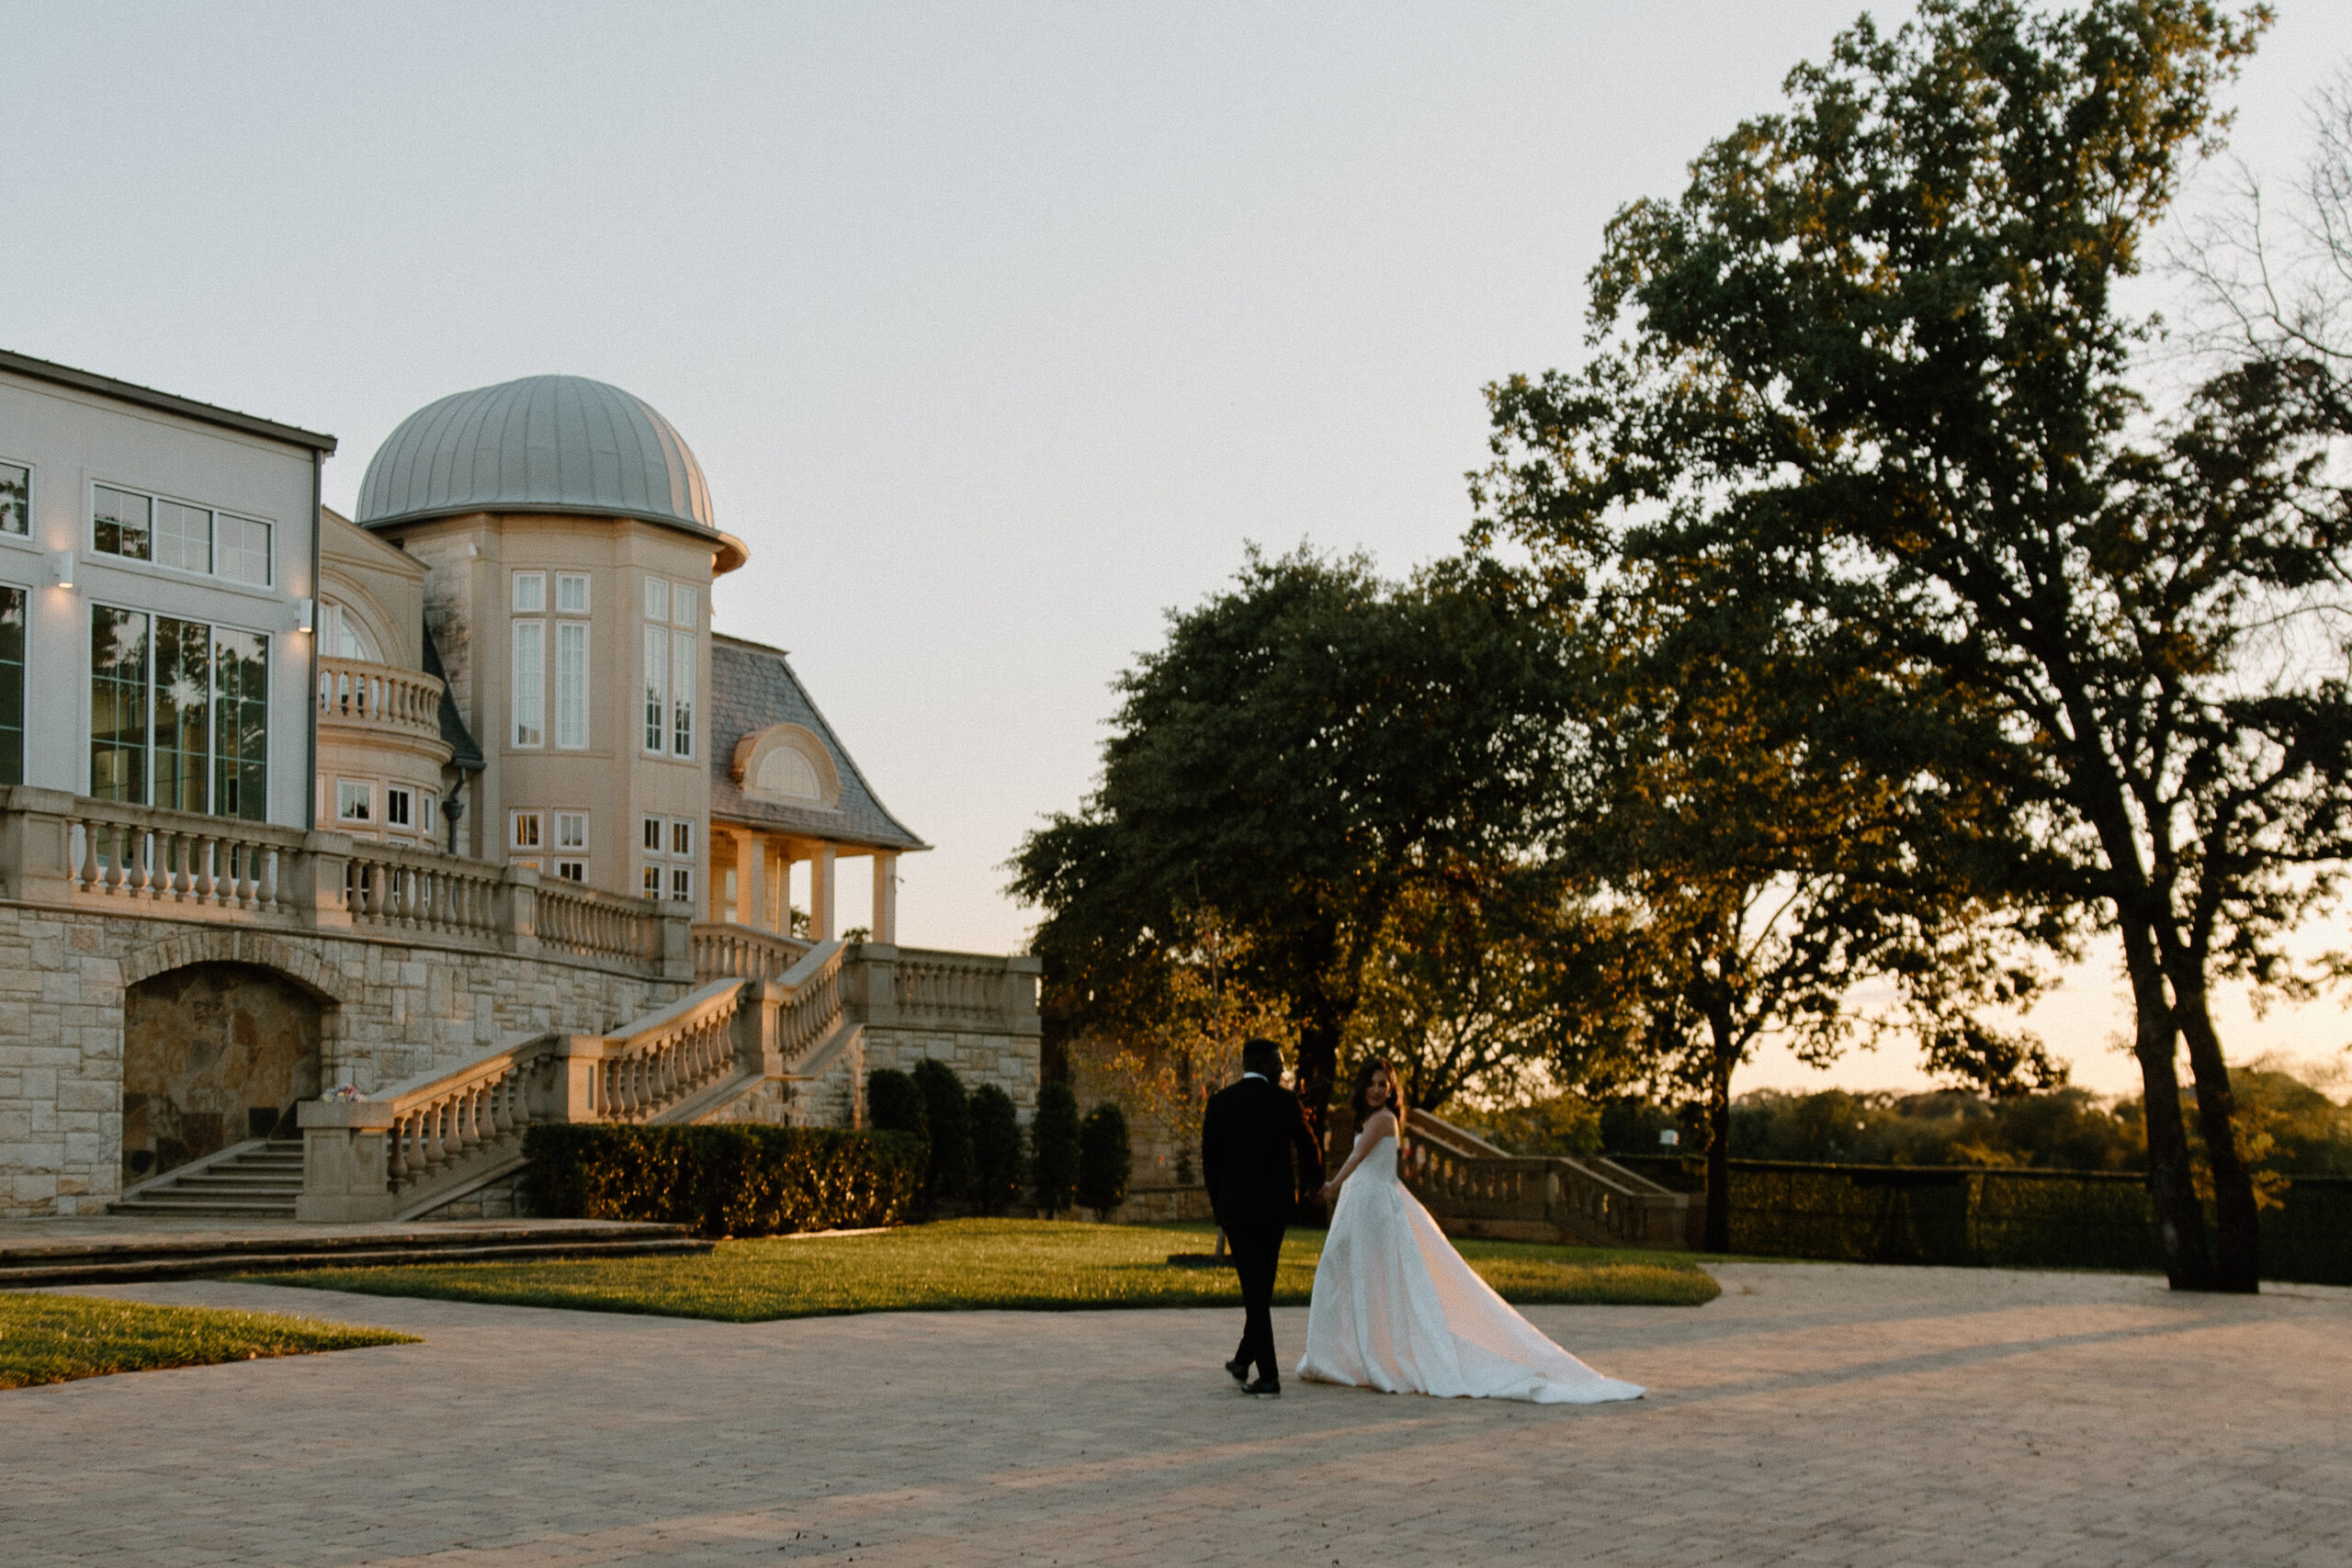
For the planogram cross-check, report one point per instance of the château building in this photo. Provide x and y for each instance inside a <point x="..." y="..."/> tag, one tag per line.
<point x="397" y="833"/>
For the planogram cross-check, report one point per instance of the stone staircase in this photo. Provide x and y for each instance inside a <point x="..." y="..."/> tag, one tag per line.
<point x="260" y="1180"/>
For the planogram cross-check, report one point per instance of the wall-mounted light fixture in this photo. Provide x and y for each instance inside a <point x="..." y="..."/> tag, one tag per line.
<point x="304" y="611"/>
<point x="61" y="568"/>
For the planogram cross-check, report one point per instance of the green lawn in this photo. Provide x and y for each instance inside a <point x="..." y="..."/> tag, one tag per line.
<point x="49" y="1338"/>
<point x="964" y="1265"/>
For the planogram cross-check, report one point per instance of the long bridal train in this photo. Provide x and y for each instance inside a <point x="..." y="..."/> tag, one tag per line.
<point x="1395" y="1308"/>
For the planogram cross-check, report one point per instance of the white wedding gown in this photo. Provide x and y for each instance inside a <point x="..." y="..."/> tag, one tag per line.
<point x="1395" y="1308"/>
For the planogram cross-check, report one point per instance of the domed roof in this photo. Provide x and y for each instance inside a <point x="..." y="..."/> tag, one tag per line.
<point x="542" y="444"/>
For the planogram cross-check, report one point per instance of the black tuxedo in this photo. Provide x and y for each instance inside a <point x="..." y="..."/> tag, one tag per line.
<point x="1254" y="1146"/>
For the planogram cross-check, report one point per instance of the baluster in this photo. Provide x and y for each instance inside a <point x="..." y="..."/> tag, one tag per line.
<point x="396" y="1158"/>
<point x="436" y="1150"/>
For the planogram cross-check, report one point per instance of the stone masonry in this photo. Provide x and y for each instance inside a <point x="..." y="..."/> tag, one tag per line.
<point x="389" y="1011"/>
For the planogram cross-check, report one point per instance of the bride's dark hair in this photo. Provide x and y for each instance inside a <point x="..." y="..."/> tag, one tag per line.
<point x="1396" y="1093"/>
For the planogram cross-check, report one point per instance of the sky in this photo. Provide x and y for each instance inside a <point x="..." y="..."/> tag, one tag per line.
<point x="999" y="330"/>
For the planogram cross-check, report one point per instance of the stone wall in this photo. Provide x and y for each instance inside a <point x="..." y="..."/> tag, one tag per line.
<point x="389" y="1011"/>
<point x="1008" y="1061"/>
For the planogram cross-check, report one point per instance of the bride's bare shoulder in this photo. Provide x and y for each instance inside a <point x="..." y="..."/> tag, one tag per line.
<point x="1380" y="1124"/>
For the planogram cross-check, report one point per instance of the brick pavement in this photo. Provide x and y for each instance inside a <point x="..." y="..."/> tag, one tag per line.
<point x="1814" y="1415"/>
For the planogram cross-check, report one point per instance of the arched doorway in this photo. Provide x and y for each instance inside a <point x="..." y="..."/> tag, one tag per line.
<point x="212" y="1054"/>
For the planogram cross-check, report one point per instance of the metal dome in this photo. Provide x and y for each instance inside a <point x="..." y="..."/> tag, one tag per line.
<point x="542" y="444"/>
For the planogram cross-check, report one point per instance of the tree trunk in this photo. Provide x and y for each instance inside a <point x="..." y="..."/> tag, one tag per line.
<point x="2171" y="1188"/>
<point x="2238" y="1263"/>
<point x="1719" y="1067"/>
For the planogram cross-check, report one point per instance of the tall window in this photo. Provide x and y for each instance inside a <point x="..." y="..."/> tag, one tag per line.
<point x="531" y="682"/>
<point x="572" y="845"/>
<point x="341" y="636"/>
<point x="178" y="535"/>
<point x="15" y="498"/>
<point x="669" y="845"/>
<point x="117" y="703"/>
<point x="571" y="685"/>
<point x="179" y="713"/>
<point x="12" y="684"/>
<point x="683" y="663"/>
<point x="657" y="689"/>
<point x="671" y="656"/>
<point x="241" y="724"/>
<point x="182" y="712"/>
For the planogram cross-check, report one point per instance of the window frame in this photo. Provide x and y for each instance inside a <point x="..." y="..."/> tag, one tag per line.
<point x="573" y="702"/>
<point x="564" y="580"/>
<point x="366" y="816"/>
<point x="218" y="704"/>
<point x="536" y="706"/>
<point x="26" y="514"/>
<point x="538" y="579"/>
<point x="211" y="571"/>
<point x="400" y="807"/>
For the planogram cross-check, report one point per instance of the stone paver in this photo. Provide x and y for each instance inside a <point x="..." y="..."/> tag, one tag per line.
<point x="1815" y="1415"/>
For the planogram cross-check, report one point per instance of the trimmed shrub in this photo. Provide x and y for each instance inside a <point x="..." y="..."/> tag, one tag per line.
<point x="1053" y="1147"/>
<point x="996" y="1150"/>
<point x="948" y="1114"/>
<point x="893" y="1104"/>
<point x="1104" y="1160"/>
<point x="739" y="1181"/>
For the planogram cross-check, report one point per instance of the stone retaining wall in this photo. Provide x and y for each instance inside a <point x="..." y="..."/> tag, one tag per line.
<point x="389" y="1010"/>
<point x="1008" y="1061"/>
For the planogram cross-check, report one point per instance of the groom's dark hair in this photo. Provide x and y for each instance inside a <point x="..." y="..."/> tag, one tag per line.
<point x="1262" y="1055"/>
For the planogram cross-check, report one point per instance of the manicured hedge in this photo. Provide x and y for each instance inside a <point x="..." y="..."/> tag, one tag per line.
<point x="1053" y="1148"/>
<point x="996" y="1151"/>
<point x="724" y="1180"/>
<point x="1105" y="1159"/>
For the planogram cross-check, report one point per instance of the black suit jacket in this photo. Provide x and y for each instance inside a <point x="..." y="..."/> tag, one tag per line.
<point x="1254" y="1142"/>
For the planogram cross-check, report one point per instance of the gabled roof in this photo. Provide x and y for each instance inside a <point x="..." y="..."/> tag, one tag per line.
<point x="753" y="687"/>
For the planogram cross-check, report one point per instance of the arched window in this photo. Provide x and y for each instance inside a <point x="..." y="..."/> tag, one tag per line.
<point x="342" y="637"/>
<point x="785" y="772"/>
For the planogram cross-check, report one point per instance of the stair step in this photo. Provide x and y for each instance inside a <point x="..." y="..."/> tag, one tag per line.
<point x="257" y="1208"/>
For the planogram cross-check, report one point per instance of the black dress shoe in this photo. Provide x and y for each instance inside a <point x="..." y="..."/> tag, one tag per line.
<point x="1237" y="1369"/>
<point x="1264" y="1388"/>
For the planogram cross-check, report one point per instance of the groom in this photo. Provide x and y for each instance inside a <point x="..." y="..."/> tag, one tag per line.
<point x="1254" y="1144"/>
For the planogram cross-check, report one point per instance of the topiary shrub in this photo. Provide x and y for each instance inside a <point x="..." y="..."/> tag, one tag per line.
<point x="948" y="1114"/>
<point x="893" y="1104"/>
<point x="740" y="1180"/>
<point x="1104" y="1160"/>
<point x="996" y="1150"/>
<point x="1053" y="1148"/>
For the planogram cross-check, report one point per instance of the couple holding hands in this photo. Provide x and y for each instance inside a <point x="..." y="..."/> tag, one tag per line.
<point x="1395" y="1307"/>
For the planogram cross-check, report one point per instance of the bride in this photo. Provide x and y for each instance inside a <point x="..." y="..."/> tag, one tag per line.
<point x="1394" y="1306"/>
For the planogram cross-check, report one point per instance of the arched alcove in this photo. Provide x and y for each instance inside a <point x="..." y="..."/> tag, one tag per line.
<point x="214" y="1053"/>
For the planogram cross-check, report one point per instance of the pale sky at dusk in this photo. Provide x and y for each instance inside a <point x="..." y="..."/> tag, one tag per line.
<point x="998" y="330"/>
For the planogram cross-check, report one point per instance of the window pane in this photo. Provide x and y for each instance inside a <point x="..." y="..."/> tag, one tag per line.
<point x="682" y="606"/>
<point x="117" y="703"/>
<point x="120" y="524"/>
<point x="653" y="834"/>
<point x="353" y="799"/>
<point x="657" y="599"/>
<point x="12" y="684"/>
<point x="681" y="838"/>
<point x="572" y="830"/>
<point x="182" y="712"/>
<point x="15" y="498"/>
<point x="397" y="807"/>
<point x="526" y="831"/>
<point x="183" y="537"/>
<point x="683" y="659"/>
<point x="572" y="592"/>
<point x="682" y="884"/>
<point x="656" y="687"/>
<point x="530" y="593"/>
<point x="241" y="738"/>
<point x="572" y="684"/>
<point x="243" y="549"/>
<point x="653" y="881"/>
<point x="530" y="682"/>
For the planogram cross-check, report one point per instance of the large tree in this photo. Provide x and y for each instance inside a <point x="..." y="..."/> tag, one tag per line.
<point x="1873" y="355"/>
<point x="1303" y="751"/>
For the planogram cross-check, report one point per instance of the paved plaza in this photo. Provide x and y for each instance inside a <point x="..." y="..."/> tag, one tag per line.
<point x="1816" y="1415"/>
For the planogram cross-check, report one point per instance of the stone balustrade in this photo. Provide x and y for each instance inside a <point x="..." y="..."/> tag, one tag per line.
<point x="723" y="949"/>
<point x="73" y="853"/>
<point x="1477" y="1189"/>
<point x="670" y="1057"/>
<point x="361" y="695"/>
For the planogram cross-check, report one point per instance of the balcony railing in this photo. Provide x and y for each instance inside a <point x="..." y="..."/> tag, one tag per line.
<point x="361" y="695"/>
<point x="71" y="851"/>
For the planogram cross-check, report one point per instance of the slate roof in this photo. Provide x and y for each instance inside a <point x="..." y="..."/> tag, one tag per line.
<point x="464" y="753"/>
<point x="754" y="686"/>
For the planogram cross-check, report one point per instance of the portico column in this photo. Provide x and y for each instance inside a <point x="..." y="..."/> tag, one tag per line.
<point x="750" y="879"/>
<point x="779" y="891"/>
<point x="885" y="897"/>
<point x="820" y="893"/>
